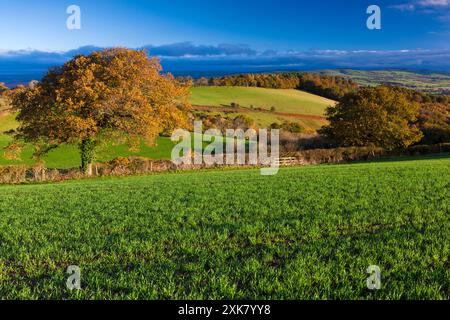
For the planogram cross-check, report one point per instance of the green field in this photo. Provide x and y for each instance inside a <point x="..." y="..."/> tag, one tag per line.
<point x="287" y="101"/>
<point x="67" y="156"/>
<point x="265" y="119"/>
<point x="306" y="233"/>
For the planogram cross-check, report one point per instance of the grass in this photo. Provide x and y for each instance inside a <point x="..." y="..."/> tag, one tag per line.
<point x="67" y="156"/>
<point x="306" y="233"/>
<point x="287" y="101"/>
<point x="264" y="119"/>
<point x="289" y="104"/>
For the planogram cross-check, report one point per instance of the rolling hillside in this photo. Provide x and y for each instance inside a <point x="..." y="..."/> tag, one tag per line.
<point x="292" y="105"/>
<point x="286" y="101"/>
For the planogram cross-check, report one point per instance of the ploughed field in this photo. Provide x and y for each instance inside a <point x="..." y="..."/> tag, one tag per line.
<point x="306" y="233"/>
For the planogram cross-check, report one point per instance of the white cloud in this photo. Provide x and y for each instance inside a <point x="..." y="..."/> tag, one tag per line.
<point x="421" y="4"/>
<point x="439" y="10"/>
<point x="404" y="7"/>
<point x="434" y="3"/>
<point x="235" y="59"/>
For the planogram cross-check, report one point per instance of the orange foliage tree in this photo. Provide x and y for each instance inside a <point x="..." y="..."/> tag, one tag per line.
<point x="3" y="88"/>
<point x="106" y="95"/>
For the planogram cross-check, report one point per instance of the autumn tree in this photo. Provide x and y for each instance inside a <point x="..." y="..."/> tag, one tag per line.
<point x="382" y="116"/>
<point x="434" y="122"/>
<point x="3" y="88"/>
<point x="105" y="95"/>
<point x="4" y="99"/>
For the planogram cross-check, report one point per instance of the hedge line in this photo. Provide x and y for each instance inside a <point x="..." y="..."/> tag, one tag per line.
<point x="135" y="165"/>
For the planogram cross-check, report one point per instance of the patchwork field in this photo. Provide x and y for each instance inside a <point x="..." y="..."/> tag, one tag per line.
<point x="434" y="82"/>
<point x="306" y="233"/>
<point x="292" y="105"/>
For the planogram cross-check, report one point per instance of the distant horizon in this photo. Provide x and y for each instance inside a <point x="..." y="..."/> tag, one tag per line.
<point x="188" y="59"/>
<point x="13" y="80"/>
<point x="202" y="37"/>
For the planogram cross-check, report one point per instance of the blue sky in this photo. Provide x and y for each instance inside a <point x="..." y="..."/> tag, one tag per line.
<point x="414" y="33"/>
<point x="261" y="24"/>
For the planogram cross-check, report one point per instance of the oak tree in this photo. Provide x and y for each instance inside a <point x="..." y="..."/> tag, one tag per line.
<point x="3" y="88"/>
<point x="374" y="116"/>
<point x="106" y="95"/>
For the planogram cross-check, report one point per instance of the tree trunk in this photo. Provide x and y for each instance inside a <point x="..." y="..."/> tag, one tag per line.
<point x="89" y="170"/>
<point x="87" y="148"/>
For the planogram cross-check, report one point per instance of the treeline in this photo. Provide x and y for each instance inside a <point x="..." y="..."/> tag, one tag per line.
<point x="388" y="117"/>
<point x="331" y="87"/>
<point x="433" y="118"/>
<point x="222" y="123"/>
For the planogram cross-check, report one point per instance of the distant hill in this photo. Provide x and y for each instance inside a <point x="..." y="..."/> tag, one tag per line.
<point x="427" y="81"/>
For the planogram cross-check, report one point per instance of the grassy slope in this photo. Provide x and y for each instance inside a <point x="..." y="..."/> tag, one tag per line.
<point x="67" y="156"/>
<point x="264" y="119"/>
<point x="284" y="101"/>
<point x="288" y="101"/>
<point x="305" y="233"/>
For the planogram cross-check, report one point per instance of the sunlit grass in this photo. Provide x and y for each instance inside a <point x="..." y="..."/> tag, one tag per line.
<point x="306" y="233"/>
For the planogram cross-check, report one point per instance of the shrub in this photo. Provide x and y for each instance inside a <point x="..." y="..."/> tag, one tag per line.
<point x="428" y="149"/>
<point x="138" y="165"/>
<point x="54" y="175"/>
<point x="317" y="156"/>
<point x="275" y="125"/>
<point x="12" y="174"/>
<point x="293" y="127"/>
<point x="38" y="171"/>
